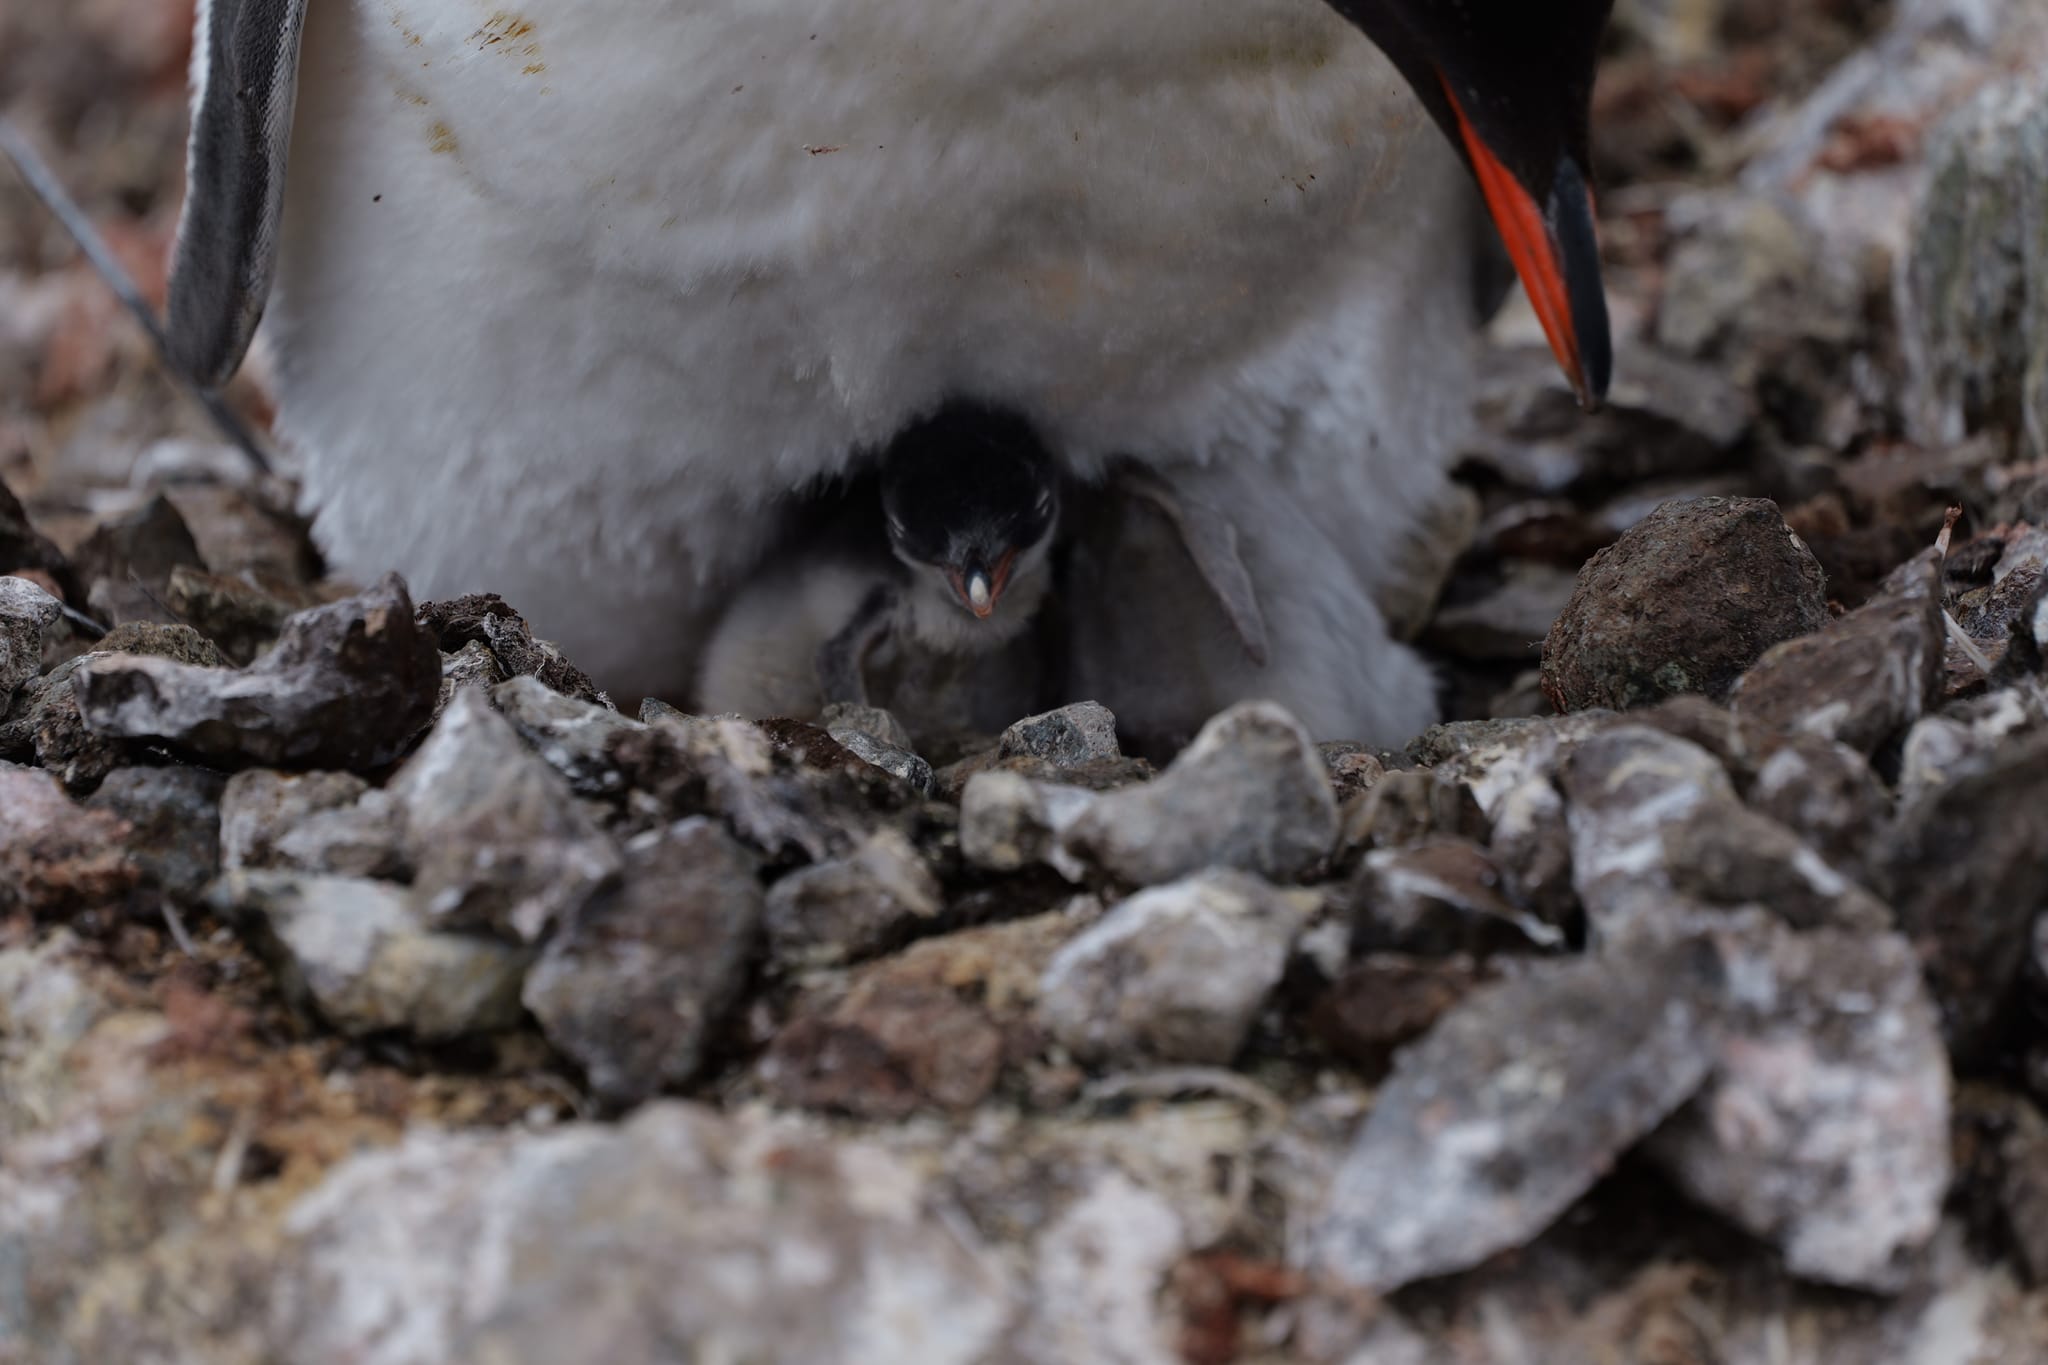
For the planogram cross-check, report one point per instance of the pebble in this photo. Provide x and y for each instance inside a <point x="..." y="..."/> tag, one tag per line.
<point x="636" y="983"/>
<point x="890" y="759"/>
<point x="1513" y="1105"/>
<point x="1964" y="862"/>
<point x="1176" y="974"/>
<point x="495" y="836"/>
<point x="1442" y="897"/>
<point x="1250" y="793"/>
<point x="347" y="685"/>
<point x="1655" y="823"/>
<point x="728" y="1237"/>
<point x="931" y="1027"/>
<point x="1865" y="679"/>
<point x="1824" y="1128"/>
<point x="574" y="736"/>
<point x="1082" y="733"/>
<point x="57" y="857"/>
<point x="26" y="611"/>
<point x="309" y="822"/>
<point x="363" y="956"/>
<point x="845" y="909"/>
<point x="173" y="815"/>
<point x="1684" y="602"/>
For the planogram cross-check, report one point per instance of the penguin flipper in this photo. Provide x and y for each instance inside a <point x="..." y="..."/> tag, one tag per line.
<point x="246" y="77"/>
<point x="1211" y="541"/>
<point x="842" y="660"/>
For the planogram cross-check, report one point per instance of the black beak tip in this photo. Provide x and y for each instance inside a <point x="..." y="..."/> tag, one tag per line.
<point x="1578" y="247"/>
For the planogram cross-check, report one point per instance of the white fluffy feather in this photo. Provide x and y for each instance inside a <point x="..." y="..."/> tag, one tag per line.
<point x="568" y="292"/>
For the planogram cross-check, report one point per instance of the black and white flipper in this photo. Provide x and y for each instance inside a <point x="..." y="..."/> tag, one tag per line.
<point x="246" y="75"/>
<point x="1210" y="539"/>
<point x="842" y="660"/>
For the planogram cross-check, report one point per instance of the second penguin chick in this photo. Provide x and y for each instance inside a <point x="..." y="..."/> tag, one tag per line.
<point x="968" y="502"/>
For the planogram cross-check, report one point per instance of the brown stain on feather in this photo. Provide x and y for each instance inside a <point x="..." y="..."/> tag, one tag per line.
<point x="513" y="36"/>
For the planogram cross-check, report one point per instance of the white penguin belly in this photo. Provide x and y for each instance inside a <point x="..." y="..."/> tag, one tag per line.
<point x="567" y="292"/>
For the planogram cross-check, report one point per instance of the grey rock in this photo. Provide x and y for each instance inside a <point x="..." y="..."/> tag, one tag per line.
<point x="46" y="727"/>
<point x="173" y="815"/>
<point x="1387" y="1000"/>
<point x="1664" y="416"/>
<point x="26" y="611"/>
<point x="1439" y="898"/>
<point x="346" y="686"/>
<point x="57" y="857"/>
<point x="1656" y="824"/>
<point x="1684" y="602"/>
<point x="654" y="709"/>
<point x="332" y="823"/>
<point x="890" y="759"/>
<point x="494" y="834"/>
<point x="1249" y="793"/>
<point x="177" y="642"/>
<point x="1009" y="822"/>
<point x="1750" y="280"/>
<point x="932" y="1026"/>
<point x="1439" y="745"/>
<point x="1507" y="772"/>
<point x="1353" y="770"/>
<point x="1967" y="875"/>
<point x="240" y="616"/>
<point x="473" y="665"/>
<point x="635" y="985"/>
<point x="853" y="907"/>
<point x="1081" y="733"/>
<point x="869" y="720"/>
<point x="486" y="619"/>
<point x="796" y="795"/>
<point x="1930" y="58"/>
<point x="1863" y="680"/>
<point x="679" y="1234"/>
<point x="1966" y="735"/>
<point x="1177" y="973"/>
<point x="1821" y="790"/>
<point x="362" y="955"/>
<point x="1824" y="1128"/>
<point x="1405" y="808"/>
<point x="1974" y="292"/>
<point x="145" y="546"/>
<point x="24" y="547"/>
<point x="1514" y="1104"/>
<point x="1510" y="621"/>
<point x="573" y="736"/>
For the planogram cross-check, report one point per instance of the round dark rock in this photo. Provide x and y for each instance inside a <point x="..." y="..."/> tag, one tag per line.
<point x="1683" y="603"/>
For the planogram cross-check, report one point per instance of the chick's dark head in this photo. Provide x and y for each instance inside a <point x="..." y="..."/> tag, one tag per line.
<point x="971" y="494"/>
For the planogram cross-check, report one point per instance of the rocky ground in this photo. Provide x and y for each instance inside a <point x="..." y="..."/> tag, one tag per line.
<point x="372" y="990"/>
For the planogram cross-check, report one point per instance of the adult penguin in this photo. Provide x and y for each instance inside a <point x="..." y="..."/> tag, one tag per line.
<point x="569" y="294"/>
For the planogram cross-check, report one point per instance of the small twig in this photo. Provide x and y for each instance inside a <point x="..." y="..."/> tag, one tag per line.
<point x="1948" y="529"/>
<point x="176" y="924"/>
<point x="84" y="623"/>
<point x="1180" y="1080"/>
<point x="227" y="1168"/>
<point x="44" y="184"/>
<point x="1962" y="641"/>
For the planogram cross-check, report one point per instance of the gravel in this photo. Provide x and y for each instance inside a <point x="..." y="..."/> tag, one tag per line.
<point x="372" y="988"/>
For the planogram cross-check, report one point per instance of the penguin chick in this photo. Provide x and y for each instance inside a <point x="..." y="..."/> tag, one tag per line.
<point x="969" y="502"/>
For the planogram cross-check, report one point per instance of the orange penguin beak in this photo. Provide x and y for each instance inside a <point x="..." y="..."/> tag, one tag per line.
<point x="1556" y="252"/>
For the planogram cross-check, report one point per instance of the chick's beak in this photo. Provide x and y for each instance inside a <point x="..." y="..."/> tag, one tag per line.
<point x="980" y="587"/>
